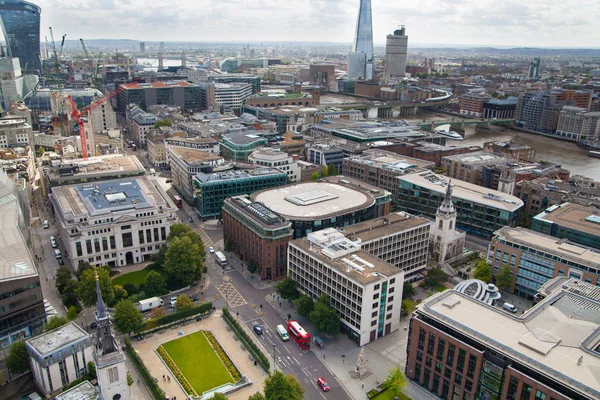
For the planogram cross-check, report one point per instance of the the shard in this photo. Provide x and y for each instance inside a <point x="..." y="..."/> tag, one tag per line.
<point x="360" y="59"/>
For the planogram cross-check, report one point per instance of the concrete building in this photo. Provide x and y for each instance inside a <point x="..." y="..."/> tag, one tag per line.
<point x="480" y="211"/>
<point x="539" y="111"/>
<point x="323" y="76"/>
<point x="574" y="222"/>
<point x="59" y="357"/>
<point x="14" y="132"/>
<point x="211" y="190"/>
<point x="114" y="222"/>
<point x="435" y="152"/>
<point x="541" y="193"/>
<point x="238" y="146"/>
<point x="208" y="145"/>
<point x="278" y="98"/>
<point x="232" y="95"/>
<point x="183" y="94"/>
<point x="333" y="202"/>
<point x="141" y="124"/>
<point x="535" y="258"/>
<point x="307" y="170"/>
<point x="467" y="167"/>
<point x="84" y="391"/>
<point x="460" y="347"/>
<point x="396" y="49"/>
<point x="267" y="157"/>
<point x="326" y="155"/>
<point x="367" y="132"/>
<point x="500" y="109"/>
<point x="187" y="163"/>
<point x="579" y="98"/>
<point x="365" y="291"/>
<point x="447" y="243"/>
<point x="258" y="236"/>
<point x="253" y="80"/>
<point x="103" y="118"/>
<point x="157" y="151"/>
<point x="577" y="124"/>
<point x="11" y="82"/>
<point x="398" y="238"/>
<point x="471" y="104"/>
<point x="511" y="149"/>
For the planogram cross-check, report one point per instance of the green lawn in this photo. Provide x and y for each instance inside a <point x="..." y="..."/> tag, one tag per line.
<point x="136" y="278"/>
<point x="387" y="394"/>
<point x="198" y="362"/>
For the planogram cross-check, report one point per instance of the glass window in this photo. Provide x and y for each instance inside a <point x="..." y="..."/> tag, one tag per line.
<point x="526" y="391"/>
<point x="539" y="395"/>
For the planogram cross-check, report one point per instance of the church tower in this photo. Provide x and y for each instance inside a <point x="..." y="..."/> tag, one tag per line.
<point x="445" y="223"/>
<point x="506" y="183"/>
<point x="109" y="358"/>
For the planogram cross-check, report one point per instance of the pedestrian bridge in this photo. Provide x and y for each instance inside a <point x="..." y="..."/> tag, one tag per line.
<point x="461" y="123"/>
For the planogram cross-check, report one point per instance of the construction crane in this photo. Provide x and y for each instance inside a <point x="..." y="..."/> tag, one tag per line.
<point x="62" y="45"/>
<point x="77" y="115"/>
<point x="93" y="61"/>
<point x="56" y="62"/>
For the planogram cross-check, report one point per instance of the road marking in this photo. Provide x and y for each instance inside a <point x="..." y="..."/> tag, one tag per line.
<point x="296" y="360"/>
<point x="322" y="395"/>
<point x="277" y="350"/>
<point x="230" y="293"/>
<point x="305" y="373"/>
<point x="286" y="349"/>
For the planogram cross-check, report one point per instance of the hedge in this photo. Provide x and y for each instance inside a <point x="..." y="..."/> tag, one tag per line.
<point x="176" y="371"/>
<point x="155" y="391"/>
<point x="248" y="342"/>
<point x="176" y="316"/>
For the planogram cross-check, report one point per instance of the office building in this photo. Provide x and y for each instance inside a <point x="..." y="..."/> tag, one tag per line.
<point x="435" y="152"/>
<point x="535" y="258"/>
<point x="14" y="132"/>
<point x="142" y="124"/>
<point x="539" y="111"/>
<point x="578" y="124"/>
<point x="467" y="167"/>
<point x="323" y="76"/>
<point x="510" y="149"/>
<point x="332" y="202"/>
<point x="211" y="190"/>
<point x="253" y="80"/>
<point x="143" y="47"/>
<point x="365" y="291"/>
<point x="11" y="82"/>
<point x="231" y="95"/>
<point x="574" y="222"/>
<point x="500" y="108"/>
<point x="541" y="193"/>
<point x="114" y="222"/>
<point x="59" y="357"/>
<point x="535" y="68"/>
<point x="179" y="93"/>
<point x="361" y="58"/>
<point x="157" y="151"/>
<point x="103" y="118"/>
<point x="578" y="98"/>
<point x="267" y="157"/>
<point x="258" y="236"/>
<point x="480" y="211"/>
<point x="21" y="29"/>
<point x="472" y="104"/>
<point x="396" y="49"/>
<point x="208" y="145"/>
<point x="239" y="145"/>
<point x="279" y="98"/>
<point x="364" y="132"/>
<point x="326" y="155"/>
<point x="187" y="163"/>
<point x="398" y="238"/>
<point x="462" y="348"/>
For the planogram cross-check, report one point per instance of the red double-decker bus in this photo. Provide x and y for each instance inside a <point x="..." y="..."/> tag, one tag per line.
<point x="299" y="334"/>
<point x="178" y="201"/>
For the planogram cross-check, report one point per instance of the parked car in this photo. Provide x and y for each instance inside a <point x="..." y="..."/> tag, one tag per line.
<point x="211" y="250"/>
<point x="172" y="302"/>
<point x="257" y="329"/>
<point x="53" y="242"/>
<point x="190" y="220"/>
<point x="60" y="262"/>
<point x="46" y="224"/>
<point x="195" y="298"/>
<point x="510" y="307"/>
<point x="323" y="384"/>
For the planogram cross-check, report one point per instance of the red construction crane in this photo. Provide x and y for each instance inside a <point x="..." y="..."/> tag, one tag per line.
<point x="76" y="115"/>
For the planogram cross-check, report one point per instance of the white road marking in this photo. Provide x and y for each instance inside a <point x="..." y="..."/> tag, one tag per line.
<point x="295" y="360"/>
<point x="305" y="373"/>
<point x="286" y="349"/>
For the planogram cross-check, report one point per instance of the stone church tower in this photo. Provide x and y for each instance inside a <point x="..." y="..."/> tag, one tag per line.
<point x="444" y="235"/>
<point x="507" y="181"/>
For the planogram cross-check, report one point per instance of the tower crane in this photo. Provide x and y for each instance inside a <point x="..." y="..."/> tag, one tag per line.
<point x="93" y="61"/>
<point x="62" y="45"/>
<point x="56" y="63"/>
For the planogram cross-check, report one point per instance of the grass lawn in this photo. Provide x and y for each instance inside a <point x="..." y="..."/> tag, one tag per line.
<point x="198" y="362"/>
<point x="136" y="278"/>
<point x="389" y="395"/>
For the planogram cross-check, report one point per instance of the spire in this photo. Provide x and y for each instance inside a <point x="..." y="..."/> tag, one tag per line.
<point x="447" y="206"/>
<point x="100" y="306"/>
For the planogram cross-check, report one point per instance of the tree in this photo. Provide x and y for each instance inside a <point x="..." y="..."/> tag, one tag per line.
<point x="55" y="322"/>
<point x="287" y="289"/>
<point x="41" y="151"/>
<point x="72" y="313"/>
<point x="314" y="177"/>
<point x="407" y="290"/>
<point x="129" y="381"/>
<point x="87" y="287"/>
<point x="157" y="260"/>
<point x="228" y="244"/>
<point x="155" y="285"/>
<point x="323" y="317"/>
<point x="397" y="381"/>
<point x="120" y="293"/>
<point x="331" y="170"/>
<point x="435" y="276"/>
<point x="127" y="316"/>
<point x="304" y="305"/>
<point x="69" y="296"/>
<point x="91" y="369"/>
<point x="482" y="271"/>
<point x="17" y="360"/>
<point x="257" y="396"/>
<point x="81" y="268"/>
<point x="183" y="261"/>
<point x="505" y="278"/>
<point x="157" y="312"/>
<point x="184" y="302"/>
<point x="324" y="171"/>
<point x="251" y="266"/>
<point x="63" y="274"/>
<point x="218" y="396"/>
<point x="163" y="122"/>
<point x="279" y="386"/>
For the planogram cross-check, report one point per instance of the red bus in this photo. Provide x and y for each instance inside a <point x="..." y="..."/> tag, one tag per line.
<point x="299" y="334"/>
<point x="177" y="201"/>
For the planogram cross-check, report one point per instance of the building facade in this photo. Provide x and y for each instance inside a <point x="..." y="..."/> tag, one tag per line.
<point x="577" y="124"/>
<point x="114" y="222"/>
<point x="500" y="109"/>
<point x="361" y="59"/>
<point x="511" y="149"/>
<point x="142" y="124"/>
<point x="232" y="95"/>
<point x="276" y="159"/>
<point x="574" y="222"/>
<point x="365" y="291"/>
<point x="472" y="103"/>
<point x="183" y="94"/>
<point x="468" y="167"/>
<point x="396" y="49"/>
<point x="238" y="146"/>
<point x="326" y="155"/>
<point x="15" y="132"/>
<point x="253" y="80"/>
<point x="258" y="236"/>
<point x="539" y="194"/>
<point x="157" y="152"/>
<point x="208" y="145"/>
<point x="21" y="29"/>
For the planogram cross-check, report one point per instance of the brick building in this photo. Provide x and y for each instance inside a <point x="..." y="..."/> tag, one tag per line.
<point x="435" y="152"/>
<point x="472" y="103"/>
<point x="511" y="149"/>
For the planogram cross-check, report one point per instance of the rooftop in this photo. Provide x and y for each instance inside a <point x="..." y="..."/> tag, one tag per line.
<point x="109" y="165"/>
<point x="465" y="190"/>
<point x="574" y="216"/>
<point x="176" y="139"/>
<point x="257" y="211"/>
<point x="365" y="130"/>
<point x="194" y="156"/>
<point x="237" y="174"/>
<point x="84" y="391"/>
<point x="391" y="161"/>
<point x="551" y="337"/>
<point x="509" y="145"/>
<point x="383" y="226"/>
<point x="136" y="85"/>
<point x="242" y="138"/>
<point x="49" y="342"/>
<point x="479" y="158"/>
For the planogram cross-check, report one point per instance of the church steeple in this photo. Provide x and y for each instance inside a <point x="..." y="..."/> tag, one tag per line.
<point x="100" y="306"/>
<point x="447" y="206"/>
<point x="105" y="339"/>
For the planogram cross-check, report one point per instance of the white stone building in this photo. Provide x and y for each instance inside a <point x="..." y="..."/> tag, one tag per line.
<point x="14" y="131"/>
<point x="141" y="125"/>
<point x="447" y="242"/>
<point x="277" y="159"/>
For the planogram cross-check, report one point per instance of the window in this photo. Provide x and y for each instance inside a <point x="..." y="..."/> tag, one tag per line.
<point x="471" y="367"/>
<point x="417" y="372"/>
<point x="422" y="334"/>
<point x="375" y="296"/>
<point x="428" y="362"/>
<point x="539" y="395"/>
<point x="374" y="305"/>
<point x="448" y="373"/>
<point x="525" y="391"/>
<point x="419" y="356"/>
<point x="436" y="383"/>
<point x="374" y="322"/>
<point x="113" y="374"/>
<point x="374" y="314"/>
<point x="431" y="343"/>
<point x="512" y="388"/>
<point x="457" y="379"/>
<point x="438" y="367"/>
<point x="441" y="348"/>
<point x="427" y="375"/>
<point x="450" y="358"/>
<point x="460" y="364"/>
<point x="468" y="385"/>
<point x="141" y="236"/>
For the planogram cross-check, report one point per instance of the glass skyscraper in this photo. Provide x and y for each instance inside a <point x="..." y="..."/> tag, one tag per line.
<point x="363" y="43"/>
<point x="20" y="22"/>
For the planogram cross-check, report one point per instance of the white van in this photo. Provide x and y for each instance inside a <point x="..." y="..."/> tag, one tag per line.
<point x="172" y="302"/>
<point x="57" y="254"/>
<point x="282" y="333"/>
<point x="509" y="307"/>
<point x="53" y="242"/>
<point x="46" y="224"/>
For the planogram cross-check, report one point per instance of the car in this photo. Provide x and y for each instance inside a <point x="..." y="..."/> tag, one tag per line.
<point x="60" y="262"/>
<point x="257" y="329"/>
<point x="94" y="325"/>
<point x="190" y="220"/>
<point x="323" y="384"/>
<point x="211" y="250"/>
<point x="172" y="302"/>
<point x="195" y="298"/>
<point x="53" y="242"/>
<point x="46" y="224"/>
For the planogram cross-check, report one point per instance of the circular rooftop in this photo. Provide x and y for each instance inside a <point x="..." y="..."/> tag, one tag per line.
<point x="314" y="200"/>
<point x="485" y="292"/>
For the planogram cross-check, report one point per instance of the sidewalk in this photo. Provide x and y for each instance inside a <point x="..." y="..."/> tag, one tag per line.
<point x="252" y="278"/>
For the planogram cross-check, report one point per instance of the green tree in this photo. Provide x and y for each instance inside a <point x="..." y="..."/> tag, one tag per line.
<point x="91" y="369"/>
<point x="397" y="381"/>
<point x="155" y="284"/>
<point x="287" y="289"/>
<point x="40" y="151"/>
<point x="120" y="293"/>
<point x="332" y="170"/>
<point x="407" y="290"/>
<point x="228" y="244"/>
<point x="218" y="396"/>
<point x="251" y="266"/>
<point x="157" y="312"/>
<point x="505" y="278"/>
<point x="63" y="275"/>
<point x="86" y="291"/>
<point x="183" y="261"/>
<point x="279" y="386"/>
<point x="127" y="317"/>
<point x="72" y="313"/>
<point x="314" y="177"/>
<point x="17" y="360"/>
<point x="435" y="276"/>
<point x="55" y="322"/>
<point x="304" y="305"/>
<point x="69" y="296"/>
<point x="163" y="122"/>
<point x="184" y="302"/>
<point x="323" y="317"/>
<point x="257" y="396"/>
<point x="157" y="260"/>
<point x="482" y="271"/>
<point x="129" y="381"/>
<point x="81" y="268"/>
<point x="324" y="171"/>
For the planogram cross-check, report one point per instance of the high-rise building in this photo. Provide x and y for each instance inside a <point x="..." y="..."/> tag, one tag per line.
<point x="20" y="21"/>
<point x="396" y="48"/>
<point x="534" y="68"/>
<point x="143" y="47"/>
<point x="360" y="59"/>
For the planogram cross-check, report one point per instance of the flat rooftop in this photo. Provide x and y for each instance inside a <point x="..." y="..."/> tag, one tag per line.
<point x="564" y="249"/>
<point x="551" y="337"/>
<point x="383" y="226"/>
<point x="257" y="211"/>
<point x="479" y="158"/>
<point x="84" y="391"/>
<point x="136" y="85"/>
<point x="313" y="200"/>
<point x="391" y="161"/>
<point x="573" y="216"/>
<point x="465" y="190"/>
<point x="191" y="140"/>
<point x="238" y="174"/>
<point x="194" y="156"/>
<point x="243" y="138"/>
<point x="49" y="342"/>
<point x="97" y="166"/>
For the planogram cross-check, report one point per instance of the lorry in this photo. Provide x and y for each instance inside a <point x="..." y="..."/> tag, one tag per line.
<point x="221" y="260"/>
<point x="149" y="304"/>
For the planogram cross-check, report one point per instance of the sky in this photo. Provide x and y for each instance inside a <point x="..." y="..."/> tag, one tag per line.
<point x="520" y="23"/>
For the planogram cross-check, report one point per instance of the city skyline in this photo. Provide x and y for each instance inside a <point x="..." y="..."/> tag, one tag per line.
<point x="535" y="24"/>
